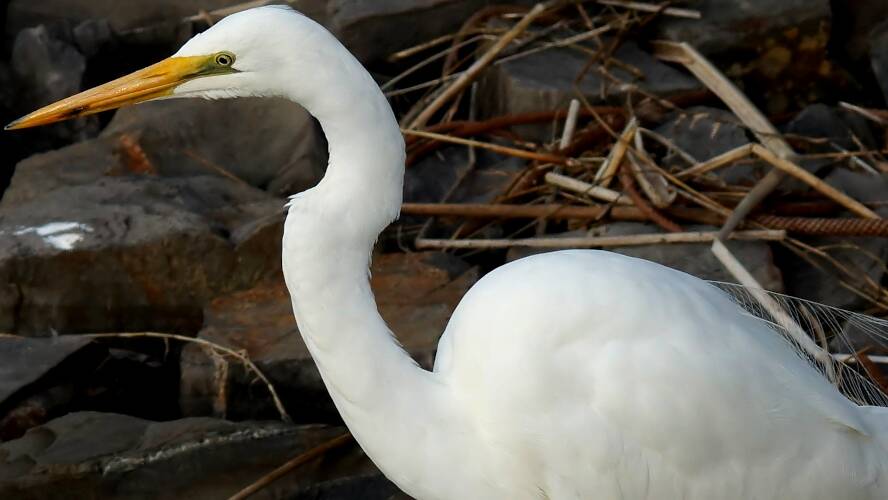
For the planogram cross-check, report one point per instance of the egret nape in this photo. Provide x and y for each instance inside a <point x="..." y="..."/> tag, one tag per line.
<point x="566" y="375"/>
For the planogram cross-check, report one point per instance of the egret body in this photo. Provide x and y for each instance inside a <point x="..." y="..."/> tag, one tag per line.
<point x="568" y="375"/>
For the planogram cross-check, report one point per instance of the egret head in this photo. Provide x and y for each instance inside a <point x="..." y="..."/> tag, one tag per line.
<point x="251" y="53"/>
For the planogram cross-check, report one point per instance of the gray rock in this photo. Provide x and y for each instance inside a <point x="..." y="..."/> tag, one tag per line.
<point x="25" y="399"/>
<point x="102" y="455"/>
<point x="839" y="127"/>
<point x="271" y="143"/>
<point x="819" y="121"/>
<point x="705" y="133"/>
<point x="545" y="81"/>
<point x="92" y="35"/>
<point x="865" y="256"/>
<point x="879" y="56"/>
<point x="47" y="69"/>
<point x="122" y="16"/>
<point x="50" y="67"/>
<point x="260" y="321"/>
<point x="365" y="26"/>
<point x="431" y="178"/>
<point x="728" y="25"/>
<point x="26" y="360"/>
<point x="149" y="251"/>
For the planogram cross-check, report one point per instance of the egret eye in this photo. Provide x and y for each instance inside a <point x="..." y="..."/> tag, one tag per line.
<point x="224" y="59"/>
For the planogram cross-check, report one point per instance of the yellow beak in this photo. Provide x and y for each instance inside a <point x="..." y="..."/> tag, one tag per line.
<point x="157" y="80"/>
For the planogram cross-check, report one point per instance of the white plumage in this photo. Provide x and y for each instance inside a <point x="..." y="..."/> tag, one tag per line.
<point x="568" y="375"/>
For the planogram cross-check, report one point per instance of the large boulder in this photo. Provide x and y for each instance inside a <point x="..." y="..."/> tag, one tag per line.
<point x="126" y="254"/>
<point x="416" y="294"/>
<point x="155" y="217"/>
<point x="93" y="455"/>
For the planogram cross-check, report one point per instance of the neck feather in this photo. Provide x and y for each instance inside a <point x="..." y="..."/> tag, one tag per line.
<point x="383" y="396"/>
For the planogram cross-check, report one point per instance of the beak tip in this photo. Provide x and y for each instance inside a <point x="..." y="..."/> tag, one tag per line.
<point x="12" y="125"/>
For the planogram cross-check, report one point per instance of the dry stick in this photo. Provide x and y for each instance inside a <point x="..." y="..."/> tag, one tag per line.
<point x="416" y="49"/>
<point x="570" y="126"/>
<point x="564" y="42"/>
<point x="292" y="464"/>
<point x="474" y="20"/>
<point x="717" y="162"/>
<point x="600" y="241"/>
<point x="780" y="316"/>
<point x="652" y="214"/>
<point x="879" y="116"/>
<point x="654" y="185"/>
<point x="686" y="55"/>
<point x="423" y="85"/>
<point x="608" y="169"/>
<point x="425" y="62"/>
<point x="591" y="190"/>
<point x="668" y="144"/>
<point x="812" y="180"/>
<point x="518" y="153"/>
<point x="646" y="7"/>
<point x="851" y="358"/>
<point x="216" y="347"/>
<point x="484" y="211"/>
<point x="475" y="69"/>
<point x="796" y="225"/>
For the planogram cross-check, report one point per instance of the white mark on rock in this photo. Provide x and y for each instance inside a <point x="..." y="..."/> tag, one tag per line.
<point x="60" y="235"/>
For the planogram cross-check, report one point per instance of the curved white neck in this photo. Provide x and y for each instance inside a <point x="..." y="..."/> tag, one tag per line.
<point x="384" y="397"/>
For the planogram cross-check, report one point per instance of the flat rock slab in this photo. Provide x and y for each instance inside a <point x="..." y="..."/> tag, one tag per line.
<point x="416" y="294"/>
<point x="26" y="360"/>
<point x="547" y="80"/>
<point x="106" y="455"/>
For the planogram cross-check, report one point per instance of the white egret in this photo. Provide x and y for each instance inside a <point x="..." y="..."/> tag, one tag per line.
<point x="574" y="374"/>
